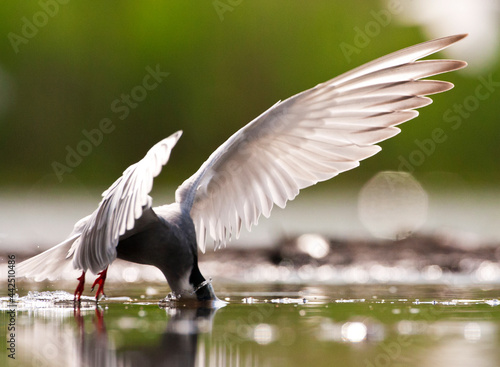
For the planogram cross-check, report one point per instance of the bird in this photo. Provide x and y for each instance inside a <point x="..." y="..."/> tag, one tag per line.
<point x="298" y="142"/>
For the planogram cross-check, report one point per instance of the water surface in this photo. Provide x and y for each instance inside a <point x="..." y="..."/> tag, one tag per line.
<point x="261" y="325"/>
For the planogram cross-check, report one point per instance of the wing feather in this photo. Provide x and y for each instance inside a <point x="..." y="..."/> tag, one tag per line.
<point x="310" y="137"/>
<point x="123" y="204"/>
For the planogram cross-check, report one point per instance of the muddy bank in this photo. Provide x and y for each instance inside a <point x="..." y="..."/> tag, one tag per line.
<point x="311" y="257"/>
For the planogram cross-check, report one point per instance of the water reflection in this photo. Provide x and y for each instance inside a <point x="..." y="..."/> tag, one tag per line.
<point x="83" y="340"/>
<point x="94" y="348"/>
<point x="179" y="342"/>
<point x="314" y="326"/>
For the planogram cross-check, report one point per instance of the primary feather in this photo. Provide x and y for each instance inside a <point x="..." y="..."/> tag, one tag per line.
<point x="310" y="137"/>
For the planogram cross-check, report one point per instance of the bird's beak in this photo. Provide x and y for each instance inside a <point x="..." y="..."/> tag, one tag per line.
<point x="206" y="293"/>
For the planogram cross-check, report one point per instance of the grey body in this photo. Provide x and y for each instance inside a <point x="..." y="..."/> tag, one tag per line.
<point x="168" y="242"/>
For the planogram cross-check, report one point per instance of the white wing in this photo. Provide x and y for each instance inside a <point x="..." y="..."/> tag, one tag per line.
<point x="122" y="205"/>
<point x="310" y="137"/>
<point x="54" y="262"/>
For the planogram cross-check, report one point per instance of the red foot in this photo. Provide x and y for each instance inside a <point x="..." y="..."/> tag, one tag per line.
<point x="100" y="280"/>
<point x="79" y="287"/>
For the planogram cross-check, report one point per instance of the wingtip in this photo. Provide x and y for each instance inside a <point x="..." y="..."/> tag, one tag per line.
<point x="450" y="39"/>
<point x="452" y="65"/>
<point x="175" y="137"/>
<point x="441" y="43"/>
<point x="177" y="134"/>
<point x="461" y="64"/>
<point x="457" y="37"/>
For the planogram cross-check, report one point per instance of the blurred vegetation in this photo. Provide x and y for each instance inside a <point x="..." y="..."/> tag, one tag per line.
<point x="227" y="61"/>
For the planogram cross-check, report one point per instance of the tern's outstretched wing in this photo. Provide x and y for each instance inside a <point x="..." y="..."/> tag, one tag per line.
<point x="125" y="206"/>
<point x="310" y="137"/>
<point x="125" y="202"/>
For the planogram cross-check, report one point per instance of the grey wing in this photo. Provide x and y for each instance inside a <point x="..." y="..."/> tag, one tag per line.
<point x="308" y="138"/>
<point x="123" y="205"/>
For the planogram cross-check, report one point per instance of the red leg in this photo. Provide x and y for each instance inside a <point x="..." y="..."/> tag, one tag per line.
<point x="101" y="328"/>
<point x="79" y="320"/>
<point x="100" y="280"/>
<point x="79" y="287"/>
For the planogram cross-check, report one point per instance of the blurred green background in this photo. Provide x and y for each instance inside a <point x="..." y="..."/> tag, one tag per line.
<point x="64" y="63"/>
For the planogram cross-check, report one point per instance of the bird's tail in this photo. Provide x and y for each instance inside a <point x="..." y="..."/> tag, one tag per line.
<point x="50" y="264"/>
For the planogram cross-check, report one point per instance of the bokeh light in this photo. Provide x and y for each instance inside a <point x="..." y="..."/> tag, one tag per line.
<point x="392" y="205"/>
